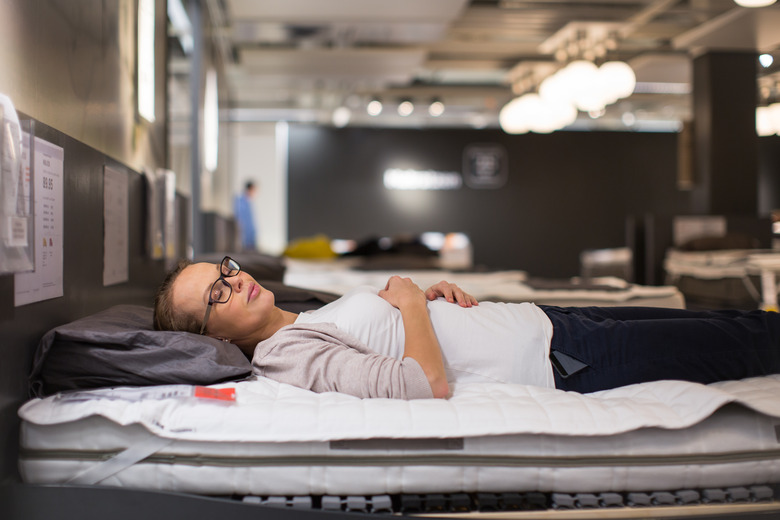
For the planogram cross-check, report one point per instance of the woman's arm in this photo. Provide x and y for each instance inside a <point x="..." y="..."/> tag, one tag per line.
<point x="323" y="358"/>
<point x="420" y="343"/>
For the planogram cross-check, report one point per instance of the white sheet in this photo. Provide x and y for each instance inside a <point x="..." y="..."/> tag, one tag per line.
<point x="280" y="440"/>
<point x="272" y="412"/>
<point x="711" y="265"/>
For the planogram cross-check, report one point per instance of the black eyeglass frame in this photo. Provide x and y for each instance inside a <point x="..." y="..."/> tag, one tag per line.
<point x="226" y="270"/>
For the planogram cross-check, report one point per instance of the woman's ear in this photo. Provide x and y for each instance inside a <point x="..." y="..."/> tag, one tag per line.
<point x="220" y="338"/>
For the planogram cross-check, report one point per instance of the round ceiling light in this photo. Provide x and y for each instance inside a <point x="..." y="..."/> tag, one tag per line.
<point x="619" y="78"/>
<point x="374" y="107"/>
<point x="341" y="117"/>
<point x="405" y="108"/>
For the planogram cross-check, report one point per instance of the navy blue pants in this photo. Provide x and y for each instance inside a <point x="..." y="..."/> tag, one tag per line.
<point x="596" y="348"/>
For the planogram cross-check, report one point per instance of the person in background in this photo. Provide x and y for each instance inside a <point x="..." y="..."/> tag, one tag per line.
<point x="245" y="217"/>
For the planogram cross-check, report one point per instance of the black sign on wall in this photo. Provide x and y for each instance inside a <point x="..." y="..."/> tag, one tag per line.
<point x="485" y="166"/>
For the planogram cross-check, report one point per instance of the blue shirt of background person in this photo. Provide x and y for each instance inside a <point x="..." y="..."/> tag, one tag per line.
<point x="245" y="219"/>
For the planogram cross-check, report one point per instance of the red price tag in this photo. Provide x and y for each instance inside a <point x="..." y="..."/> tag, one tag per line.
<point x="220" y="394"/>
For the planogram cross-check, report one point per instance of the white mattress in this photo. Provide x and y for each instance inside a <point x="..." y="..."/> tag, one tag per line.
<point x="339" y="277"/>
<point x="280" y="440"/>
<point x="711" y="265"/>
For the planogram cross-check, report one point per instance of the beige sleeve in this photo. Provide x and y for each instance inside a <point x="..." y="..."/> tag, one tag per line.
<point x="322" y="363"/>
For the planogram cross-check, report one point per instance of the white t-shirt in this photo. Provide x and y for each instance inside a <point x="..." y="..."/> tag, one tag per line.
<point x="488" y="343"/>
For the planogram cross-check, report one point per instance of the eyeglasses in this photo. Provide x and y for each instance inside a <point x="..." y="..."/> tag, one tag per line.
<point x="221" y="291"/>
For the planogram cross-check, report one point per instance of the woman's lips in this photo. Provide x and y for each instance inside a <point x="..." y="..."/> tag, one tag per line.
<point x="254" y="290"/>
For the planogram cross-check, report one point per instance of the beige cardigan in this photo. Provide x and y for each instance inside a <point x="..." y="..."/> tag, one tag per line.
<point x="323" y="358"/>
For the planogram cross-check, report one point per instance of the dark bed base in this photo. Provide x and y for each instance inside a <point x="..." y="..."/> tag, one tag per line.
<point x="723" y="293"/>
<point x="33" y="502"/>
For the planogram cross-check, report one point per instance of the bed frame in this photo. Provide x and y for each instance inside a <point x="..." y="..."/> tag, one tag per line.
<point x="35" y="502"/>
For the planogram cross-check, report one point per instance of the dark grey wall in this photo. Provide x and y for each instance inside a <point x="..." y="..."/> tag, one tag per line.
<point x="84" y="293"/>
<point x="71" y="67"/>
<point x="768" y="174"/>
<point x="566" y="191"/>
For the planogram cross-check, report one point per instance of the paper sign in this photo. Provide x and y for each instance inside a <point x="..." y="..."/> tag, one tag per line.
<point x="116" y="231"/>
<point x="46" y="281"/>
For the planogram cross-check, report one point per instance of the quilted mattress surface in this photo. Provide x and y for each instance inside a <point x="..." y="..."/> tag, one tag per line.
<point x="277" y="439"/>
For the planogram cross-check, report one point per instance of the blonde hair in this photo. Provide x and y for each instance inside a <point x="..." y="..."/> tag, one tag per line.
<point x="166" y="315"/>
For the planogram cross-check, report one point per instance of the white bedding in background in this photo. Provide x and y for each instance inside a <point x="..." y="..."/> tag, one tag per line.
<point x="277" y="439"/>
<point x="710" y="265"/>
<point x="339" y="277"/>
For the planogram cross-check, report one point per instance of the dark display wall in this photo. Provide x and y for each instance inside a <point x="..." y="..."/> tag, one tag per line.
<point x="564" y="192"/>
<point x="768" y="174"/>
<point x="83" y="292"/>
<point x="71" y="66"/>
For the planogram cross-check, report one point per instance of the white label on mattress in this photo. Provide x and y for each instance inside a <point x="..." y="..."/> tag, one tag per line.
<point x="152" y="392"/>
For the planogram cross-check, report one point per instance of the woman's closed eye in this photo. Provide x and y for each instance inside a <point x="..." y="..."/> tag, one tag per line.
<point x="218" y="292"/>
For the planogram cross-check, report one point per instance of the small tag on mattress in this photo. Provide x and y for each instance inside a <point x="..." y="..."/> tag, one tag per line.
<point x="220" y="394"/>
<point x="153" y="393"/>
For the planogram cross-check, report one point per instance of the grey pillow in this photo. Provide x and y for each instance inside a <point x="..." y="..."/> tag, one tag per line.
<point x="119" y="346"/>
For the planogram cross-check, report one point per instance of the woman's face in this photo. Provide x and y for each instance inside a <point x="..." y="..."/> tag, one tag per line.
<point x="240" y="318"/>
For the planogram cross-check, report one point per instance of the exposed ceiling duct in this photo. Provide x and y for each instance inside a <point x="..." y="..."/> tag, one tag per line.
<point x="302" y="59"/>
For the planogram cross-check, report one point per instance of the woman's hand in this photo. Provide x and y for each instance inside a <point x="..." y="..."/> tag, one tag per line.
<point x="452" y="293"/>
<point x="401" y="292"/>
<point x="420" y="342"/>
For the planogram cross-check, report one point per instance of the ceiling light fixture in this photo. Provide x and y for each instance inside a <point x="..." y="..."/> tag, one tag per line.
<point x="768" y="120"/>
<point x="580" y="85"/>
<point x="766" y="60"/>
<point x="436" y="108"/>
<point x="341" y="116"/>
<point x="405" y="108"/>
<point x="180" y="21"/>
<point x="374" y="107"/>
<point x="146" y="90"/>
<point x="754" y="3"/>
<point x="211" y="121"/>
<point x="535" y="113"/>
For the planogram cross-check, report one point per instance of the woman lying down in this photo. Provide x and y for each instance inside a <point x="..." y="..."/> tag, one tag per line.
<point x="403" y="342"/>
